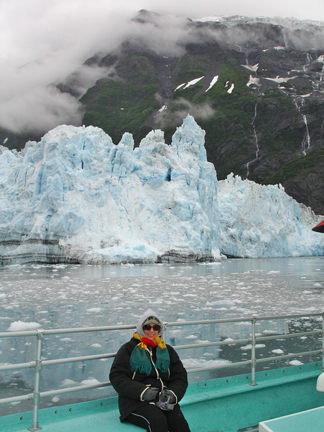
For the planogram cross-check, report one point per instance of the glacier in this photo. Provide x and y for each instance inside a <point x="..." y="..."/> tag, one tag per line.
<point x="75" y="196"/>
<point x="263" y="221"/>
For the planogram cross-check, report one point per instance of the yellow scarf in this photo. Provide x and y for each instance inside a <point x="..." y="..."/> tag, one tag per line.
<point x="139" y="360"/>
<point x="158" y="341"/>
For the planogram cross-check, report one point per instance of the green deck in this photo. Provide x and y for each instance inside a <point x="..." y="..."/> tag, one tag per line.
<point x="306" y="421"/>
<point x="219" y="405"/>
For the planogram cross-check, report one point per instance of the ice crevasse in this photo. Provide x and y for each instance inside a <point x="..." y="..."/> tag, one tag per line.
<point x="77" y="197"/>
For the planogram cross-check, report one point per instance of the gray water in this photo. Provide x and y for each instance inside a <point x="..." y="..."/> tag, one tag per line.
<point x="58" y="296"/>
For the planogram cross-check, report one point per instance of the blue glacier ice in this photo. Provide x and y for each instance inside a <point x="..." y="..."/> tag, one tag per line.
<point x="75" y="196"/>
<point x="263" y="221"/>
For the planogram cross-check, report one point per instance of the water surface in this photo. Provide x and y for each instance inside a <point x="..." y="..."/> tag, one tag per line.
<point x="58" y="296"/>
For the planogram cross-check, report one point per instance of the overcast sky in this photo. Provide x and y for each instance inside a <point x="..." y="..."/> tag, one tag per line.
<point x="42" y="41"/>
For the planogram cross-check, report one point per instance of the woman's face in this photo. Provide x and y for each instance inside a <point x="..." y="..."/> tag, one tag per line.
<point x="150" y="332"/>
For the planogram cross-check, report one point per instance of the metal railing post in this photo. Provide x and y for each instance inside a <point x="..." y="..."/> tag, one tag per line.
<point x="164" y="331"/>
<point x="322" y="341"/>
<point x="253" y="358"/>
<point x="38" y="365"/>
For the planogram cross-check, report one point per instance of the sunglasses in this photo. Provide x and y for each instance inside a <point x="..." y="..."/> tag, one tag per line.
<point x="155" y="327"/>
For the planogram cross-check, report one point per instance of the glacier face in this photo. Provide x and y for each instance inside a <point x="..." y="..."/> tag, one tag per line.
<point x="263" y="221"/>
<point x="76" y="196"/>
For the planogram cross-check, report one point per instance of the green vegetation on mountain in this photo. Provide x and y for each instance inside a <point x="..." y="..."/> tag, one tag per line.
<point x="124" y="100"/>
<point x="300" y="167"/>
<point x="188" y="69"/>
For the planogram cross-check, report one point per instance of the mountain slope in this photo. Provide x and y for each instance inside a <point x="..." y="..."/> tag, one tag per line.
<point x="254" y="85"/>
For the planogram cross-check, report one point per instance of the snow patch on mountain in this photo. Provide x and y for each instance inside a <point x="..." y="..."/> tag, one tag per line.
<point x="230" y="90"/>
<point x="254" y="81"/>
<point x="193" y="82"/>
<point x="188" y="84"/>
<point x="212" y="83"/>
<point x="251" y="68"/>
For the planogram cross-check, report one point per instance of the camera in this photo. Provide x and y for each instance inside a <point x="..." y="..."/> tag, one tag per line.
<point x="163" y="402"/>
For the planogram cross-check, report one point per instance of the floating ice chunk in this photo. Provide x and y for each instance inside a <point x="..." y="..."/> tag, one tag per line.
<point x="91" y="381"/>
<point x="21" y="325"/>
<point x="96" y="345"/>
<point x="68" y="383"/>
<point x="202" y="363"/>
<point x="55" y="399"/>
<point x="94" y="310"/>
<point x="277" y="351"/>
<point x="249" y="346"/>
<point x="295" y="363"/>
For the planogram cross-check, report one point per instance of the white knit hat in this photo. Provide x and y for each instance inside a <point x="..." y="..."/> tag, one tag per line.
<point x="148" y="317"/>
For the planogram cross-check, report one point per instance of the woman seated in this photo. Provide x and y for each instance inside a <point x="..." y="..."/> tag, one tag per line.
<point x="150" y="379"/>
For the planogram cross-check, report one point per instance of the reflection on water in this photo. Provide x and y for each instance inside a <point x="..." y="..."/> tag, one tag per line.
<point x="58" y="296"/>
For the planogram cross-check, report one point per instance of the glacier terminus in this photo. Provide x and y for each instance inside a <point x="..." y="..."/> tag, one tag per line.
<point x="75" y="196"/>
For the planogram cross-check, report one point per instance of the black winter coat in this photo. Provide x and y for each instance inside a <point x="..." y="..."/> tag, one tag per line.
<point x="130" y="385"/>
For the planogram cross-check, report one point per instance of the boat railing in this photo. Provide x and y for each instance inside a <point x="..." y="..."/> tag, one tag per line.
<point x="39" y="363"/>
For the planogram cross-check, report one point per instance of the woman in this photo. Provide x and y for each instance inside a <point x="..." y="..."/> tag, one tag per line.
<point x="150" y="379"/>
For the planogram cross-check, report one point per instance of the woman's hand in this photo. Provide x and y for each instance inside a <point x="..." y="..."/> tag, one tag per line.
<point x="168" y="396"/>
<point x="150" y="394"/>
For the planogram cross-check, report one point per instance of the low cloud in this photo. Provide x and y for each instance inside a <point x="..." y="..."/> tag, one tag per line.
<point x="292" y="34"/>
<point x="32" y="102"/>
<point x="40" y="109"/>
<point x="29" y="101"/>
<point x="163" y="34"/>
<point x="43" y="42"/>
<point x="198" y="111"/>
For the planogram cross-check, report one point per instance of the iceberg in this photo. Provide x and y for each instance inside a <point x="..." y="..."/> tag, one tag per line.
<point x="75" y="196"/>
<point x="263" y="221"/>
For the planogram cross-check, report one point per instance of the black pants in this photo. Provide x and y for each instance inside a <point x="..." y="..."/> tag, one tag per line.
<point x="151" y="418"/>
